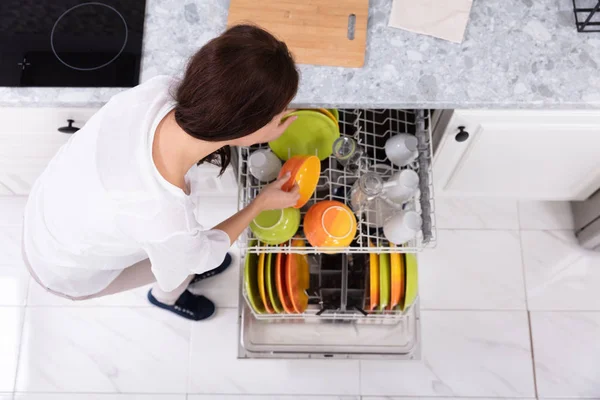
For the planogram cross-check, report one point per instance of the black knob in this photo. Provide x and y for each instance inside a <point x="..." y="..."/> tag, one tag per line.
<point x="69" y="129"/>
<point x="462" y="135"/>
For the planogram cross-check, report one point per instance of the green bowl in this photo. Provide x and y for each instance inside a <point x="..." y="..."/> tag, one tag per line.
<point x="274" y="227"/>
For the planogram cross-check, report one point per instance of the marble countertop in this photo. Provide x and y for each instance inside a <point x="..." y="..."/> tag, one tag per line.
<point x="516" y="54"/>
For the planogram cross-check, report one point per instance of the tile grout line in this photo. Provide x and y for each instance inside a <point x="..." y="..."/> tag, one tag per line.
<point x="535" y="386"/>
<point x="522" y="248"/>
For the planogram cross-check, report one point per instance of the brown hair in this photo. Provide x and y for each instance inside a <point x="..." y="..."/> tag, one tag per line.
<point x="235" y="85"/>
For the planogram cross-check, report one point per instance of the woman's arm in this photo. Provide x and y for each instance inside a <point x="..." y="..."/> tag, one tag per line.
<point x="270" y="198"/>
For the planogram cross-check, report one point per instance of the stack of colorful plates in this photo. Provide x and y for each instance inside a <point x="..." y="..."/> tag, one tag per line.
<point x="393" y="281"/>
<point x="312" y="134"/>
<point x="277" y="283"/>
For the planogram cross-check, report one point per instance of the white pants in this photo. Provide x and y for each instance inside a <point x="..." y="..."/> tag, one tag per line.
<point x="137" y="275"/>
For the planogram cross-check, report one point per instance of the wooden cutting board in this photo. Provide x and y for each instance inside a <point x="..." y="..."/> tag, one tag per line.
<point x="316" y="31"/>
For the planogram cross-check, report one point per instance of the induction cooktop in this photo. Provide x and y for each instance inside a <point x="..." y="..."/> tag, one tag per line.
<point x="71" y="42"/>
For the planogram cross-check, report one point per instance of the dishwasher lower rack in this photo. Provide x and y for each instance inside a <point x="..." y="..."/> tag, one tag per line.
<point x="338" y="291"/>
<point x="335" y="324"/>
<point x="371" y="128"/>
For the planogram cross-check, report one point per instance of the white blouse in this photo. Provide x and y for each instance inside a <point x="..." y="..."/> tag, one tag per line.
<point x="101" y="205"/>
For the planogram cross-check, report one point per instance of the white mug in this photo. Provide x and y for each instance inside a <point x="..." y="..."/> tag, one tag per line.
<point x="402" y="149"/>
<point x="402" y="186"/>
<point x="264" y="165"/>
<point x="402" y="227"/>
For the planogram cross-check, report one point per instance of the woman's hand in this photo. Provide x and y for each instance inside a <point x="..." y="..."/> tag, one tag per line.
<point x="272" y="197"/>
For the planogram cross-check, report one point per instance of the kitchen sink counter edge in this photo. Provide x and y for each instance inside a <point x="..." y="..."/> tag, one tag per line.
<point x="516" y="54"/>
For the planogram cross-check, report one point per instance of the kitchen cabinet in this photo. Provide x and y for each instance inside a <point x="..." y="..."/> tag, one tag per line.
<point x="29" y="138"/>
<point x="524" y="154"/>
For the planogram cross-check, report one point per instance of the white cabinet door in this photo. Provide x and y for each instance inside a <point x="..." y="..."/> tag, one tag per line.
<point x="29" y="138"/>
<point x="543" y="155"/>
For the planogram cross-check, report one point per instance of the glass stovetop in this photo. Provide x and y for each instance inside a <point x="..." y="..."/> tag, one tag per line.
<point x="71" y="42"/>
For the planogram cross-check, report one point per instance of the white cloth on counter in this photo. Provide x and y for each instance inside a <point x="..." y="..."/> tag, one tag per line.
<point x="444" y="19"/>
<point x="101" y="205"/>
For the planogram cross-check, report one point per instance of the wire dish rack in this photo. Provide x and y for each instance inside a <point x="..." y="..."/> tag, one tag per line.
<point x="339" y="283"/>
<point x="338" y="291"/>
<point x="371" y="128"/>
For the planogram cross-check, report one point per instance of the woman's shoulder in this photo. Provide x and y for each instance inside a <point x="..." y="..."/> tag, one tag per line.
<point x="160" y="85"/>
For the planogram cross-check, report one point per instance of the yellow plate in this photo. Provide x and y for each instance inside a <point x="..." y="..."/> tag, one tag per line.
<point x="412" y="281"/>
<point x="262" y="284"/>
<point x="271" y="285"/>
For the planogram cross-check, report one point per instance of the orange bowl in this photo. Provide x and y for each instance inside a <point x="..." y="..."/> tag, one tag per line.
<point x="304" y="171"/>
<point x="330" y="224"/>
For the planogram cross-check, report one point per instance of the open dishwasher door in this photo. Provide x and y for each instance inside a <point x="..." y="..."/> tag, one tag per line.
<point x="329" y="338"/>
<point x="335" y="324"/>
<point x="341" y="321"/>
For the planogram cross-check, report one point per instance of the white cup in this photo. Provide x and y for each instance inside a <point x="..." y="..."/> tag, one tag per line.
<point x="402" y="227"/>
<point x="264" y="165"/>
<point x="401" y="149"/>
<point x="402" y="186"/>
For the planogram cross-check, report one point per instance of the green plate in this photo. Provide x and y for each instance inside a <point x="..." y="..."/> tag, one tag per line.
<point x="385" y="277"/>
<point x="313" y="133"/>
<point x="271" y="285"/>
<point x="412" y="281"/>
<point x="335" y="113"/>
<point x="251" y="281"/>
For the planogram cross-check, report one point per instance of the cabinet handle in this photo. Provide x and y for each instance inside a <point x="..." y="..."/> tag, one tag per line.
<point x="69" y="129"/>
<point x="462" y="135"/>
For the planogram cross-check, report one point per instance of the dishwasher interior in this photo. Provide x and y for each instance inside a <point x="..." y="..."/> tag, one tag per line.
<point x="336" y="323"/>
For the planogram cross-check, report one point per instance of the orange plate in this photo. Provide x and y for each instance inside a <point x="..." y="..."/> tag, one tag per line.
<point x="281" y="283"/>
<point x="373" y="279"/>
<point x="304" y="171"/>
<point x="298" y="277"/>
<point x="262" y="288"/>
<point x="330" y="223"/>
<point x="397" y="272"/>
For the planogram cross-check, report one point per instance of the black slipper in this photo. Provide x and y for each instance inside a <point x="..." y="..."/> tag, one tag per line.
<point x="226" y="263"/>
<point x="188" y="305"/>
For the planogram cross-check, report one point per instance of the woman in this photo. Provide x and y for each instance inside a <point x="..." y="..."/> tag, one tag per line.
<point x="114" y="208"/>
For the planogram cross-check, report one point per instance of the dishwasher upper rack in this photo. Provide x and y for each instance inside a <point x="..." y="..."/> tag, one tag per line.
<point x="371" y="128"/>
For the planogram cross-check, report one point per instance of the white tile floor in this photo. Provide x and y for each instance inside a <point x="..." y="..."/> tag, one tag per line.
<point x="507" y="282"/>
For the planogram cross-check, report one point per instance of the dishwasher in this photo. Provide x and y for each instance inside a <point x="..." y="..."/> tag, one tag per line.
<point x="336" y="324"/>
